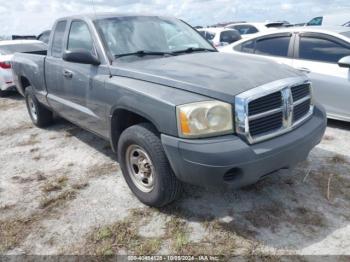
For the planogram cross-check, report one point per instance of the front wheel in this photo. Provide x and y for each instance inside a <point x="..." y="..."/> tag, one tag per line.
<point x="40" y="115"/>
<point x="145" y="166"/>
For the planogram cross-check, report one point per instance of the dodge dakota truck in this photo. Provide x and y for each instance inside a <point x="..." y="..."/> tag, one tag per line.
<point x="173" y="108"/>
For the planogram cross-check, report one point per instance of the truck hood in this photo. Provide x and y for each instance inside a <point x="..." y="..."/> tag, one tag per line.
<point x="216" y="75"/>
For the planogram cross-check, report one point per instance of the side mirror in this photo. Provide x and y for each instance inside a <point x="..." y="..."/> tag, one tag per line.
<point x="80" y="56"/>
<point x="344" y="62"/>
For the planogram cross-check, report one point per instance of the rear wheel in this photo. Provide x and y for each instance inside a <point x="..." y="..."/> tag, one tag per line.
<point x="40" y="115"/>
<point x="3" y="93"/>
<point x="145" y="166"/>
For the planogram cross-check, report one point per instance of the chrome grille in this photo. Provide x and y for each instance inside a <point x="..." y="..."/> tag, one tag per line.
<point x="266" y="124"/>
<point x="265" y="103"/>
<point x="273" y="109"/>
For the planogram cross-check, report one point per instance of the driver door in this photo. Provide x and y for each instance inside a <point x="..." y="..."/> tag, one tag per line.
<point x="80" y="82"/>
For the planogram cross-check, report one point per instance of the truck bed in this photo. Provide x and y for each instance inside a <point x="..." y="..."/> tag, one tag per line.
<point x="30" y="66"/>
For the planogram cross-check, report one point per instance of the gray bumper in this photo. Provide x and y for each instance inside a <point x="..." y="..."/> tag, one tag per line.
<point x="230" y="162"/>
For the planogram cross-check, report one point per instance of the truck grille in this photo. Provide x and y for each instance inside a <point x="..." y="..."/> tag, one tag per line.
<point x="275" y="110"/>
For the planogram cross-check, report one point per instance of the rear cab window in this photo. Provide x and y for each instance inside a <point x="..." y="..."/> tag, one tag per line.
<point x="58" y="38"/>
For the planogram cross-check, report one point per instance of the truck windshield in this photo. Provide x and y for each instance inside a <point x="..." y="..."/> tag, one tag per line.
<point x="128" y="35"/>
<point x="22" y="48"/>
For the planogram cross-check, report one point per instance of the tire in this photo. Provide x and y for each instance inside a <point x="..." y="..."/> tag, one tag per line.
<point x="3" y="93"/>
<point x="40" y="115"/>
<point x="165" y="187"/>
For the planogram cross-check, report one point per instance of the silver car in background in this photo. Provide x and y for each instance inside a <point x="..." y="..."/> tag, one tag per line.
<point x="323" y="53"/>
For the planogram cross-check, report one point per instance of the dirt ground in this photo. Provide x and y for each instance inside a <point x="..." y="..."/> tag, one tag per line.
<point x="61" y="192"/>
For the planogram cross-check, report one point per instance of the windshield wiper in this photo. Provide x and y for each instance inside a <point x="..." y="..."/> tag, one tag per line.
<point x="144" y="53"/>
<point x="194" y="49"/>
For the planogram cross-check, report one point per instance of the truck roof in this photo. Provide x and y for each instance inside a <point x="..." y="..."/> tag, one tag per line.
<point x="94" y="16"/>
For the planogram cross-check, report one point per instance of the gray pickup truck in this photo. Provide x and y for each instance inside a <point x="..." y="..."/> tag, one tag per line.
<point x="173" y="108"/>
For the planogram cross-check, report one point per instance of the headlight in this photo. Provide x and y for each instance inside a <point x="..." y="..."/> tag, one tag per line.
<point x="204" y="119"/>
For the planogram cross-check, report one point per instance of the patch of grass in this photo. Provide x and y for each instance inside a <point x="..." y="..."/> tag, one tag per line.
<point x="151" y="246"/>
<point x="12" y="233"/>
<point x="273" y="215"/>
<point x="102" y="169"/>
<point x="177" y="232"/>
<point x="104" y="233"/>
<point x="121" y="235"/>
<point x="338" y="159"/>
<point x="339" y="186"/>
<point x="79" y="185"/>
<point x="57" y="200"/>
<point x="37" y="176"/>
<point x="55" y="185"/>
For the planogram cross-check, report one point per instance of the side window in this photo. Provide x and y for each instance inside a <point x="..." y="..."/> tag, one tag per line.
<point x="207" y="35"/>
<point x="57" y="43"/>
<point x="80" y="37"/>
<point x="320" y="49"/>
<point x="202" y="33"/>
<point x="276" y="46"/>
<point x="229" y="36"/>
<point x="246" y="47"/>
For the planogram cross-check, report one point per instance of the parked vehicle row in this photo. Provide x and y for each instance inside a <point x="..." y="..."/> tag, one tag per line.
<point x="174" y="109"/>
<point x="323" y="53"/>
<point x="7" y="49"/>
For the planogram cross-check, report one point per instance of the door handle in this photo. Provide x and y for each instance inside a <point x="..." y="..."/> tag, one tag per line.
<point x="68" y="74"/>
<point x="304" y="70"/>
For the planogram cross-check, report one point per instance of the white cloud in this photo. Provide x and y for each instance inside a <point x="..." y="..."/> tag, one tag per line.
<point x="34" y="16"/>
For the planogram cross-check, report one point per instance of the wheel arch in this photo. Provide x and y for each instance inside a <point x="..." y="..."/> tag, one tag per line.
<point x="121" y="118"/>
<point x="23" y="84"/>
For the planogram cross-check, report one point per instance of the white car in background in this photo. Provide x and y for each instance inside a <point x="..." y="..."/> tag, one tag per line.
<point x="322" y="53"/>
<point x="7" y="49"/>
<point x="251" y="29"/>
<point x="219" y="36"/>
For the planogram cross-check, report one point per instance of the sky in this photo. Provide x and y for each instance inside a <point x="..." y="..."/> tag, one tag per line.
<point x="34" y="16"/>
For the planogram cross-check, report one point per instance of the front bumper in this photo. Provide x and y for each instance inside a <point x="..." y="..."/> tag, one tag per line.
<point x="230" y="162"/>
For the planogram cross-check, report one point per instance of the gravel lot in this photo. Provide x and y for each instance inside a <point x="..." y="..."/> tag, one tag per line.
<point x="61" y="192"/>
